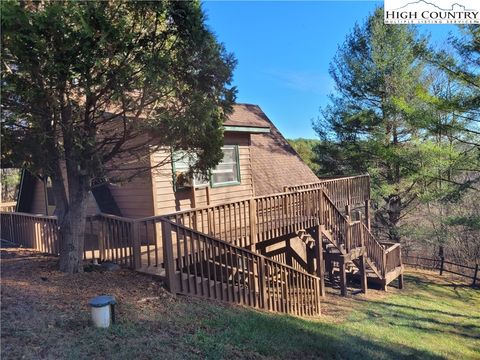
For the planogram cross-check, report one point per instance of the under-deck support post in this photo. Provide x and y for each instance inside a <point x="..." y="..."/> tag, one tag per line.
<point x="400" y="281"/>
<point x="363" y="274"/>
<point x="343" y="276"/>
<point x="310" y="260"/>
<point x="288" y="254"/>
<point x="320" y="271"/>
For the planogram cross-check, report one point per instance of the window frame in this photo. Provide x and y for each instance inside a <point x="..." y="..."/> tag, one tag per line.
<point x="209" y="183"/>
<point x="237" y="162"/>
<point x="176" y="187"/>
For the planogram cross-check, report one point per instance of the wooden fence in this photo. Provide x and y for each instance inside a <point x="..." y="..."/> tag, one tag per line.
<point x="442" y="265"/>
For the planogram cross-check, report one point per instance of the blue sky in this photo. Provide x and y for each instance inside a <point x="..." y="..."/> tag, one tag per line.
<point x="284" y="49"/>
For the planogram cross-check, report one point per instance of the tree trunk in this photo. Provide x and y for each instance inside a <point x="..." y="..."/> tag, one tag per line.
<point x="394" y="212"/>
<point x="72" y="234"/>
<point x="71" y="212"/>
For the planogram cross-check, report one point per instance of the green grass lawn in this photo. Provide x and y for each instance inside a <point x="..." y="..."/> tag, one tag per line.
<point x="44" y="316"/>
<point x="426" y="321"/>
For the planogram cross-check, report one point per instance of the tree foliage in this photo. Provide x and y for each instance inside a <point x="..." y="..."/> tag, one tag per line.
<point x="305" y="148"/>
<point x="395" y="115"/>
<point x="95" y="86"/>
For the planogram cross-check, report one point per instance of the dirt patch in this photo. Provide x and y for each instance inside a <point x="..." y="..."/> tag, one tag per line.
<point x="45" y="313"/>
<point x="42" y="307"/>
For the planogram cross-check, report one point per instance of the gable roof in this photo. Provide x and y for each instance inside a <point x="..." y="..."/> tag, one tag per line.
<point x="246" y="115"/>
<point x="275" y="164"/>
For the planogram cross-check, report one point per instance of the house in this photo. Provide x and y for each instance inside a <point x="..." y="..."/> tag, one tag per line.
<point x="258" y="160"/>
<point x="261" y="231"/>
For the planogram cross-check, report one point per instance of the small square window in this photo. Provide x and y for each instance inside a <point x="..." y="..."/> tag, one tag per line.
<point x="227" y="171"/>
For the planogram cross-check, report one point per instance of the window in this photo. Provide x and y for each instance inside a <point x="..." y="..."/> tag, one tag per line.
<point x="182" y="162"/>
<point x="228" y="171"/>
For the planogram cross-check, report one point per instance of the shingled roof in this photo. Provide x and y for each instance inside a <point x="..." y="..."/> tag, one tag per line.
<point x="275" y="164"/>
<point x="247" y="115"/>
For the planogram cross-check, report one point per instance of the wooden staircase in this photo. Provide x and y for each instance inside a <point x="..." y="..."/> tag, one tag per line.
<point x="349" y="244"/>
<point x="231" y="251"/>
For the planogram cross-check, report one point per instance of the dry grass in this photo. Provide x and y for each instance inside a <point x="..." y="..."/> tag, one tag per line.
<point x="45" y="316"/>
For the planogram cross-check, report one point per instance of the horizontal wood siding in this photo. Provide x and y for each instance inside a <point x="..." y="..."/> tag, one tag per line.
<point x="38" y="201"/>
<point x="134" y="198"/>
<point x="167" y="200"/>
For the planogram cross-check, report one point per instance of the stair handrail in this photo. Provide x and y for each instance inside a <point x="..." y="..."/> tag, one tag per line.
<point x="339" y="229"/>
<point x="308" y="291"/>
<point x="375" y="251"/>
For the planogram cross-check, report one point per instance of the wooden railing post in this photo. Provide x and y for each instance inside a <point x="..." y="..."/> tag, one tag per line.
<point x="384" y="265"/>
<point x="349" y="192"/>
<point x="367" y="214"/>
<point x="362" y="233"/>
<point x="253" y="223"/>
<point x="348" y="210"/>
<point x="475" y="275"/>
<point x="262" y="283"/>
<point x="101" y="238"/>
<point x="347" y="234"/>
<point x="136" y="246"/>
<point x="169" y="260"/>
<point x="320" y="271"/>
<point x="321" y="207"/>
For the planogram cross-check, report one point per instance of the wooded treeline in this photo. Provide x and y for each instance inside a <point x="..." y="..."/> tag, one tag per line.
<point x="409" y="114"/>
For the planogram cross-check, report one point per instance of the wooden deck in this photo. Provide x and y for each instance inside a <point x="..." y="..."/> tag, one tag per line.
<point x="221" y="251"/>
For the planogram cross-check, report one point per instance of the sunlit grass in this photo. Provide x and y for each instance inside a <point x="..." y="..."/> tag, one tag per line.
<point x="426" y="321"/>
<point x="431" y="319"/>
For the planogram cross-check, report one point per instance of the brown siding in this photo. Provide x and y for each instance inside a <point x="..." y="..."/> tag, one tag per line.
<point x="134" y="198"/>
<point x="38" y="201"/>
<point x="168" y="201"/>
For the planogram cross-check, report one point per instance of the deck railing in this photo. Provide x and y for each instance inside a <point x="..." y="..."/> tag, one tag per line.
<point x="285" y="213"/>
<point x="107" y="237"/>
<point x="343" y="191"/>
<point x="31" y="231"/>
<point x="229" y="221"/>
<point x="393" y="258"/>
<point x="334" y="221"/>
<point x="213" y="251"/>
<point x="8" y="206"/>
<point x="201" y="265"/>
<point x="375" y="250"/>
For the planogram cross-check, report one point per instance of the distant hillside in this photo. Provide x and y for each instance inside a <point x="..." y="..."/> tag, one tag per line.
<point x="305" y="148"/>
